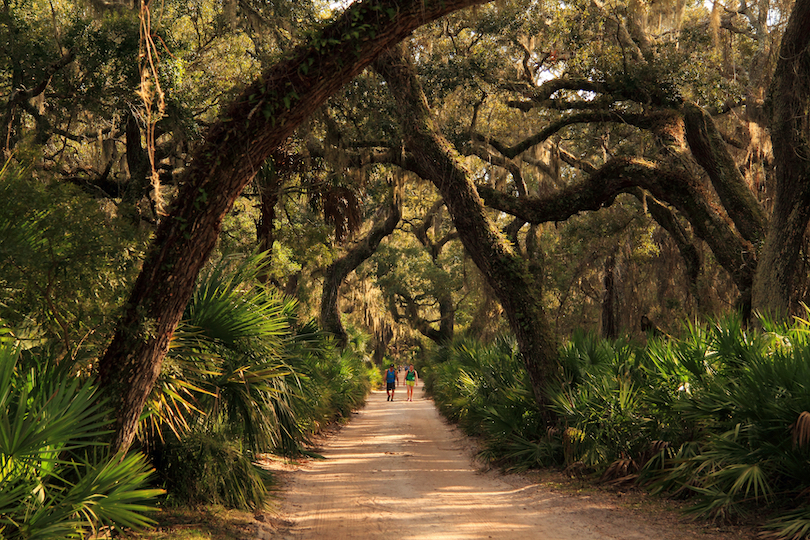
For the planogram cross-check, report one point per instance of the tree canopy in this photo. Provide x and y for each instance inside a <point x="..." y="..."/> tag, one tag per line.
<point x="533" y="165"/>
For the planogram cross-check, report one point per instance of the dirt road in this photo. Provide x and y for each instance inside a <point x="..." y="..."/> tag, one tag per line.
<point x="398" y="471"/>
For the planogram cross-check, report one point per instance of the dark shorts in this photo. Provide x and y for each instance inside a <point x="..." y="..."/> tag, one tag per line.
<point x="390" y="386"/>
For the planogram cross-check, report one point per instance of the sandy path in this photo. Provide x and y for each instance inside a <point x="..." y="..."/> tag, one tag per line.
<point x="398" y="471"/>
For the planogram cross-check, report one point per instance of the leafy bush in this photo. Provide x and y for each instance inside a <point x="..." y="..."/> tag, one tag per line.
<point x="57" y="482"/>
<point x="720" y="415"/>
<point x="606" y="422"/>
<point x="223" y="395"/>
<point x="750" y="425"/>
<point x="239" y="381"/>
<point x="211" y="467"/>
<point x="485" y="390"/>
<point x="225" y="366"/>
<point x="333" y="382"/>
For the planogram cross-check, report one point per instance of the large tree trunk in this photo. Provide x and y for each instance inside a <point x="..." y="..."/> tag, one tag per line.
<point x="517" y="288"/>
<point x="337" y="272"/>
<point x="775" y="281"/>
<point x="258" y="121"/>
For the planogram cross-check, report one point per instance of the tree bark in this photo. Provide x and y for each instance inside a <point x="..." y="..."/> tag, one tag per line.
<point x="517" y="288"/>
<point x="667" y="220"/>
<point x="139" y="168"/>
<point x="775" y="281"/>
<point x="622" y="175"/>
<point x="337" y="272"/>
<point x="610" y="324"/>
<point x="269" y="195"/>
<point x="258" y="121"/>
<point x="711" y="152"/>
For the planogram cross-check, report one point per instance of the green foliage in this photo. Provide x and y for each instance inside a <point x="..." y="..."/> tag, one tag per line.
<point x="241" y="380"/>
<point x="212" y="467"/>
<point x="56" y="481"/>
<point x="105" y="49"/>
<point x="333" y="382"/>
<point x="719" y="415"/>
<point x="225" y="359"/>
<point x="223" y="393"/>
<point x="747" y="409"/>
<point x="485" y="390"/>
<point x="710" y="416"/>
<point x="65" y="265"/>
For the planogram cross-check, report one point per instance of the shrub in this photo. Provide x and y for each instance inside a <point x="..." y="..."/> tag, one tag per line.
<point x="720" y="415"/>
<point x="57" y="480"/>
<point x="210" y="467"/>
<point x="485" y="390"/>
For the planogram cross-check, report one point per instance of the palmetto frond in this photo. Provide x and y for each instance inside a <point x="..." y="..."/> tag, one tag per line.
<point x="56" y="483"/>
<point x="226" y="355"/>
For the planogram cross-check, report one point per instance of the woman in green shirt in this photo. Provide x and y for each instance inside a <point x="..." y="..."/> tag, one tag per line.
<point x="411" y="379"/>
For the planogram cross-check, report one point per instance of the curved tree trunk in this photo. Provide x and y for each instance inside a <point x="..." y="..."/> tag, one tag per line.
<point x="337" y="272"/>
<point x="264" y="115"/>
<point x="775" y="281"/>
<point x="711" y="152"/>
<point x="517" y="288"/>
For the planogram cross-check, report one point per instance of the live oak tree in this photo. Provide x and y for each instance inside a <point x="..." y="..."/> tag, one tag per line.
<point x="689" y="153"/>
<point x="264" y="115"/>
<point x="466" y="65"/>
<point x="421" y="270"/>
<point x="634" y="103"/>
<point x="565" y="109"/>
<point x="509" y="274"/>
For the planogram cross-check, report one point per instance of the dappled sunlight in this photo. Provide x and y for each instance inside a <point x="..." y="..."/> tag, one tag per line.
<point x="397" y="471"/>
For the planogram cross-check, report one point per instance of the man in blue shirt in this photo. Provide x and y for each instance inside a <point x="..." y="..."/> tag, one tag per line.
<point x="391" y="382"/>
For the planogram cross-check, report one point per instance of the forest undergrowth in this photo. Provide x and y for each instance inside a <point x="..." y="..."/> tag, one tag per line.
<point x="716" y="417"/>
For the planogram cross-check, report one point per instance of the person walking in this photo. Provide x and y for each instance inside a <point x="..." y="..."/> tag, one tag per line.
<point x="391" y="382"/>
<point x="411" y="379"/>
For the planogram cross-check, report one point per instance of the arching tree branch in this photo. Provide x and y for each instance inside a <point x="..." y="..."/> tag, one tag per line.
<point x="642" y="121"/>
<point x="621" y="175"/>
<point x="711" y="152"/>
<point x="337" y="272"/>
<point x="264" y="115"/>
